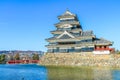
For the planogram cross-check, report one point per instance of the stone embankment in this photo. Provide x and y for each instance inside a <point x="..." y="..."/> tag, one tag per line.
<point x="81" y="59"/>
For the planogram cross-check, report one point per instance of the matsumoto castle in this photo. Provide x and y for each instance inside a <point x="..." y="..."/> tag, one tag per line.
<point x="69" y="37"/>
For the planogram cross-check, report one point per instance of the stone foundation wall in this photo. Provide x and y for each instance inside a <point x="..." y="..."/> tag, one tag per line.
<point x="81" y="59"/>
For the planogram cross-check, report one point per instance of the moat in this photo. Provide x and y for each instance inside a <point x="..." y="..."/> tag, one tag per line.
<point x="36" y="72"/>
<point x="22" y="72"/>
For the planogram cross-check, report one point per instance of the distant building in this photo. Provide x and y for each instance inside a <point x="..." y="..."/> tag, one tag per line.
<point x="70" y="37"/>
<point x="24" y="56"/>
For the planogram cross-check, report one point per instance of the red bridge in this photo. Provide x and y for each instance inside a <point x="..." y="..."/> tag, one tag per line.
<point x="22" y="61"/>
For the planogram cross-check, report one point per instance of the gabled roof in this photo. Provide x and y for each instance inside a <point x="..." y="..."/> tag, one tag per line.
<point x="67" y="12"/>
<point x="65" y="35"/>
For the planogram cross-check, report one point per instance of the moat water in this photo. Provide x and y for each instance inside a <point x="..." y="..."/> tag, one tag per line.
<point x="36" y="72"/>
<point x="22" y="72"/>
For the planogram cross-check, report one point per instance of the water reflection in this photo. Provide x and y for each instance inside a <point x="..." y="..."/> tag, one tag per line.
<point x="36" y="72"/>
<point x="68" y="73"/>
<point x="82" y="73"/>
<point x="116" y="74"/>
<point x="102" y="74"/>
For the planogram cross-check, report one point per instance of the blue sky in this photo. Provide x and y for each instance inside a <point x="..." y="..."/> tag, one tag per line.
<point x="25" y="24"/>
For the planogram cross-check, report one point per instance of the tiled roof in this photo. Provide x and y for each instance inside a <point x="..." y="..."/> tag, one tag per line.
<point x="68" y="22"/>
<point x="51" y="38"/>
<point x="102" y="41"/>
<point x="87" y="33"/>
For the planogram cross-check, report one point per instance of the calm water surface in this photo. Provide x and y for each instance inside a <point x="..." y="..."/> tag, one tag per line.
<point x="22" y="72"/>
<point x="83" y="73"/>
<point x="35" y="72"/>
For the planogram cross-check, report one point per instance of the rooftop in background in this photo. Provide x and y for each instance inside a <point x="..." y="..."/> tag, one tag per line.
<point x="19" y="51"/>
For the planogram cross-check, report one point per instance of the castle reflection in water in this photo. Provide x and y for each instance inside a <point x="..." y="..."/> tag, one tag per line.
<point x="66" y="73"/>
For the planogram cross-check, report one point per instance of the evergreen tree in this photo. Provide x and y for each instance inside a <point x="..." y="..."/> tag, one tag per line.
<point x="17" y="56"/>
<point x="35" y="57"/>
<point x="2" y="58"/>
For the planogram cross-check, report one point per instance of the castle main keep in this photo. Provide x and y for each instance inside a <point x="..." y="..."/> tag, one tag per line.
<point x="69" y="37"/>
